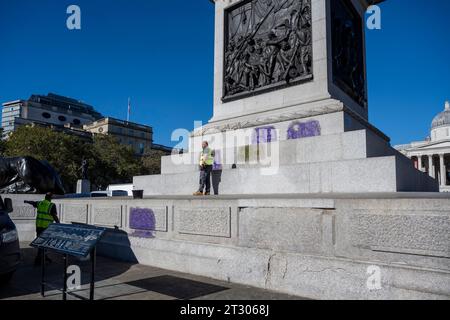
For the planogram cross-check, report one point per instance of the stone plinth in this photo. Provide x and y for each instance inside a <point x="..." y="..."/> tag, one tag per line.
<point x="315" y="246"/>
<point x="83" y="186"/>
<point x="24" y="215"/>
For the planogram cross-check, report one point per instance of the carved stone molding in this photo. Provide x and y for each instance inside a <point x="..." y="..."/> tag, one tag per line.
<point x="267" y="119"/>
<point x="215" y="222"/>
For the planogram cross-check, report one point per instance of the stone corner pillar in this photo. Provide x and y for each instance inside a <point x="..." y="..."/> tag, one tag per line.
<point x="430" y="166"/>
<point x="419" y="163"/>
<point x="443" y="170"/>
<point x="83" y="186"/>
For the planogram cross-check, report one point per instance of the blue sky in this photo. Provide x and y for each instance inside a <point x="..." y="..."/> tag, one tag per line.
<point x="160" y="53"/>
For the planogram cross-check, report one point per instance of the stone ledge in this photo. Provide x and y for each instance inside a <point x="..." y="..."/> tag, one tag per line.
<point x="317" y="246"/>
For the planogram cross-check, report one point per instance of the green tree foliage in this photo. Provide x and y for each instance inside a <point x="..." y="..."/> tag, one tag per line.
<point x="2" y="142"/>
<point x="151" y="162"/>
<point x="109" y="162"/>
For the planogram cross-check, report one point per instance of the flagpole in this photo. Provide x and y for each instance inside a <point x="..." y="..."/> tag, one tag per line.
<point x="129" y="109"/>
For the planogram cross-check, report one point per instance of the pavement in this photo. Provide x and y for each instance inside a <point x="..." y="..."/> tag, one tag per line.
<point x="116" y="280"/>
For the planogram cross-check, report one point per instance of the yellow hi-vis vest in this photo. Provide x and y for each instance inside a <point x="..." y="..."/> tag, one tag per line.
<point x="44" y="218"/>
<point x="206" y="157"/>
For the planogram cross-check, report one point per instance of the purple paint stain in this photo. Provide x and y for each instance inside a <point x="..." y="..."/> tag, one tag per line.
<point x="143" y="221"/>
<point x="264" y="135"/>
<point x="298" y="130"/>
<point x="217" y="165"/>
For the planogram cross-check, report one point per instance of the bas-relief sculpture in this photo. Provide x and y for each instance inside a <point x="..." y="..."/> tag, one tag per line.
<point x="268" y="44"/>
<point x="348" y="51"/>
<point x="28" y="175"/>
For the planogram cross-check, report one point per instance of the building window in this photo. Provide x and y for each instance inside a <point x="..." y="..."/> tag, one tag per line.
<point x="100" y="129"/>
<point x="62" y="118"/>
<point x="46" y="115"/>
<point x="76" y="122"/>
<point x="141" y="148"/>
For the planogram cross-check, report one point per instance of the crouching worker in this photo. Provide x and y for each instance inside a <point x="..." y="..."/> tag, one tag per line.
<point x="46" y="215"/>
<point x="206" y="165"/>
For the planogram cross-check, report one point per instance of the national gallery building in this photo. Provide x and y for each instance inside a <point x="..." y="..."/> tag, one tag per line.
<point x="433" y="154"/>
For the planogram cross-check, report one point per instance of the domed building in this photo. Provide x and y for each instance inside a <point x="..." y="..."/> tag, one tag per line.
<point x="433" y="154"/>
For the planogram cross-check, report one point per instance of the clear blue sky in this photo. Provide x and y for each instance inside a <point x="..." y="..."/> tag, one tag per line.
<point x="160" y="53"/>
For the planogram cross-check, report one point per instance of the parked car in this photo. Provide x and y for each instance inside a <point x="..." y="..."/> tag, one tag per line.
<point x="109" y="193"/>
<point x="9" y="242"/>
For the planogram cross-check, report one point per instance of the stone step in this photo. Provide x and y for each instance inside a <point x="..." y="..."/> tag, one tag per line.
<point x="377" y="174"/>
<point x="359" y="144"/>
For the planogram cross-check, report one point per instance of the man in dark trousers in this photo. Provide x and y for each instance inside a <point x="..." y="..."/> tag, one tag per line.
<point x="46" y="215"/>
<point x="206" y="165"/>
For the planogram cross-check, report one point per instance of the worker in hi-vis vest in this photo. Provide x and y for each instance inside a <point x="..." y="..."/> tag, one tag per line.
<point x="46" y="215"/>
<point x="206" y="165"/>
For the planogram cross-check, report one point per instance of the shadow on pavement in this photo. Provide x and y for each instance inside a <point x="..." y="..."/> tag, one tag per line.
<point x="114" y="280"/>
<point x="26" y="281"/>
<point x="179" y="288"/>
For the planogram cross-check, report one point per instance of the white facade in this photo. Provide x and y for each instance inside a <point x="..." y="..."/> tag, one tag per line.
<point x="433" y="155"/>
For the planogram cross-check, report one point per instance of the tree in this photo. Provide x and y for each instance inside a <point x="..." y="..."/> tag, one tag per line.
<point x="109" y="161"/>
<point x="2" y="142"/>
<point x="112" y="162"/>
<point x="64" y="152"/>
<point x="151" y="162"/>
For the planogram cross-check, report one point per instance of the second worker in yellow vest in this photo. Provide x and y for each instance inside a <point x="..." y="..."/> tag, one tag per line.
<point x="46" y="215"/>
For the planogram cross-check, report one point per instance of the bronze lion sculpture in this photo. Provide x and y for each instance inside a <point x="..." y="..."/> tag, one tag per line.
<point x="29" y="175"/>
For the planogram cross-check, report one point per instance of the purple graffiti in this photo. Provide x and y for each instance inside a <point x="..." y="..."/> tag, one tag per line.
<point x="298" y="130"/>
<point x="143" y="222"/>
<point x="217" y="165"/>
<point x="264" y="135"/>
